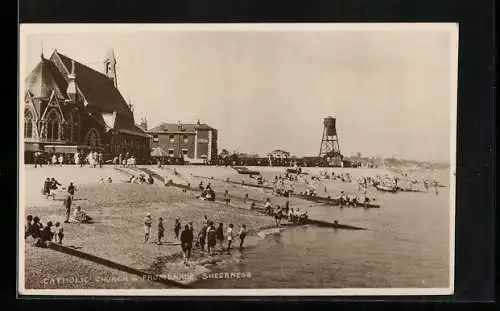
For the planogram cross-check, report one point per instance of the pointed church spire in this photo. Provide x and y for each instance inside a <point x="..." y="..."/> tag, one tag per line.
<point x="110" y="66"/>
<point x="71" y="90"/>
<point x="72" y="74"/>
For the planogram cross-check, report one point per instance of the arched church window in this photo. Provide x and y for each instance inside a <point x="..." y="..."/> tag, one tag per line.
<point x="28" y="123"/>
<point x="93" y="140"/>
<point x="53" y="125"/>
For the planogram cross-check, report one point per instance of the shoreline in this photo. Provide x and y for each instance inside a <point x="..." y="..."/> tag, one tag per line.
<point x="202" y="263"/>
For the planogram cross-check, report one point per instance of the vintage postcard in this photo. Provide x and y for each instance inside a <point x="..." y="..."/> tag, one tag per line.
<point x="237" y="159"/>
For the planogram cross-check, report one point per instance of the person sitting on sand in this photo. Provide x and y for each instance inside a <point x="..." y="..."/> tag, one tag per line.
<point x="28" y="227"/>
<point x="201" y="186"/>
<point x="46" y="235"/>
<point x="58" y="233"/>
<point x="36" y="228"/>
<point x="150" y="180"/>
<point x="303" y="217"/>
<point x="80" y="216"/>
<point x="186" y="243"/>
<point x="210" y="196"/>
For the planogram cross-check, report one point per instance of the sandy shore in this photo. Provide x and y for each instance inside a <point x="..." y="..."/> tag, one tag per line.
<point x="118" y="210"/>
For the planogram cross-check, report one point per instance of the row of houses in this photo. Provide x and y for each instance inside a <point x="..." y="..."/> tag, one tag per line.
<point x="70" y="107"/>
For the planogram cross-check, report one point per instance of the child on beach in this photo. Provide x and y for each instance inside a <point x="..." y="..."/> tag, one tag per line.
<point x="211" y="238"/>
<point x="186" y="243"/>
<point x="219" y="236"/>
<point x="243" y="234"/>
<point x="161" y="230"/>
<point x="202" y="236"/>
<point x="147" y="227"/>
<point x="177" y="228"/>
<point x="58" y="233"/>
<point x="229" y="237"/>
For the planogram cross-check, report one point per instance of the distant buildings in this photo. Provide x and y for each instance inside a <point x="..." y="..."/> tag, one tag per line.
<point x="69" y="106"/>
<point x="195" y="143"/>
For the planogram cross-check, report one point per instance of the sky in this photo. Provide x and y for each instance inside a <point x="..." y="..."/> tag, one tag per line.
<point x="263" y="90"/>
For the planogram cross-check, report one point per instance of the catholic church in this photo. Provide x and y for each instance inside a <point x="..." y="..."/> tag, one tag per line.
<point x="69" y="106"/>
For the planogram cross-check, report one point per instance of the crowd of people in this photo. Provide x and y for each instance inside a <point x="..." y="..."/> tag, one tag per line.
<point x="293" y="215"/>
<point x="93" y="158"/>
<point x="210" y="238"/>
<point x="207" y="193"/>
<point x="49" y="188"/>
<point x="43" y="235"/>
<point x="141" y="179"/>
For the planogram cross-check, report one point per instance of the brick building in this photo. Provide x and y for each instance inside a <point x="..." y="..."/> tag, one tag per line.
<point x="195" y="143"/>
<point x="69" y="106"/>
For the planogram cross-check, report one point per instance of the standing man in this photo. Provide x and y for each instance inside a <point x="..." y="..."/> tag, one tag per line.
<point x="219" y="236"/>
<point x="161" y="230"/>
<point x="67" y="204"/>
<point x="147" y="227"/>
<point x="243" y="234"/>
<point x="71" y="190"/>
<point x="186" y="243"/>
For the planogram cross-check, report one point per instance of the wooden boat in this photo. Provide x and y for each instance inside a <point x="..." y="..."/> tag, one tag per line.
<point x="386" y="189"/>
<point x="245" y="170"/>
<point x="409" y="190"/>
<point x="334" y="201"/>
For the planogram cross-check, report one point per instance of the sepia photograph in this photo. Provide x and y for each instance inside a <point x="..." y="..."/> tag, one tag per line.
<point x="237" y="159"/>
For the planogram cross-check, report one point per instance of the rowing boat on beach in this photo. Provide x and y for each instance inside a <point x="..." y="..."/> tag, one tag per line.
<point x="334" y="201"/>
<point x="386" y="189"/>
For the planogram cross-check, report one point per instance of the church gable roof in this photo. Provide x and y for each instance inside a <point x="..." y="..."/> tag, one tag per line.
<point x="97" y="88"/>
<point x="44" y="79"/>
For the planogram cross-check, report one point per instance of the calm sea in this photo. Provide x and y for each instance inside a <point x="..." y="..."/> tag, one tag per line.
<point x="407" y="245"/>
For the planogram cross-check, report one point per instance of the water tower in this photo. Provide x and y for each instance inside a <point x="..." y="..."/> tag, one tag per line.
<point x="329" y="148"/>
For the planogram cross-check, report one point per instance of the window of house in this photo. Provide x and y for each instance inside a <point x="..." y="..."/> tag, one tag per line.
<point x="155" y="138"/>
<point x="171" y="153"/>
<point x="185" y="139"/>
<point x="28" y="123"/>
<point x="171" y="138"/>
<point x="184" y="152"/>
<point x="53" y="125"/>
<point x="93" y="139"/>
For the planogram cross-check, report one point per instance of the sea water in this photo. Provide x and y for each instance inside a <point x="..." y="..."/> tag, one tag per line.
<point x="406" y="244"/>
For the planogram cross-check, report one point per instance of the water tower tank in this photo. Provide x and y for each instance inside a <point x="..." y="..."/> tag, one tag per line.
<point x="330" y="126"/>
